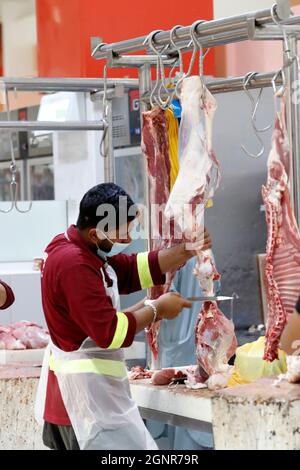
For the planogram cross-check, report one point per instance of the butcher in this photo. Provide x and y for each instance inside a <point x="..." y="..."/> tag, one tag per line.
<point x="6" y="296"/>
<point x="88" y="405"/>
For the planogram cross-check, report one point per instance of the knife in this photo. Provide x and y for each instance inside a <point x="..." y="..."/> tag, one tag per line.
<point x="218" y="298"/>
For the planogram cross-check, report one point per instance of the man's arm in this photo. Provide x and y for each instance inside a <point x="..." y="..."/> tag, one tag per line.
<point x="145" y="270"/>
<point x="168" y="306"/>
<point x="91" y="308"/>
<point x="3" y="295"/>
<point x="137" y="306"/>
<point x="6" y="296"/>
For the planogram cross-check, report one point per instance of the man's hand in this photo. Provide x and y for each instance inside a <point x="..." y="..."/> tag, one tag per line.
<point x="201" y="242"/>
<point x="173" y="258"/>
<point x="170" y="305"/>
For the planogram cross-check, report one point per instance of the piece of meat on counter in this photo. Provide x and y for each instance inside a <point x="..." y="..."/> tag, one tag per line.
<point x="158" y="377"/>
<point x="138" y="373"/>
<point x="8" y="341"/>
<point x="196" y="183"/>
<point x="163" y="377"/>
<point x="23" y="335"/>
<point x="282" y="271"/>
<point x="216" y="342"/>
<point x="215" y="339"/>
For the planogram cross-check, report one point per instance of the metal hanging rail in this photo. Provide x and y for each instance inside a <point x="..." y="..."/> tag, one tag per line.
<point x="210" y="33"/>
<point x="226" y="85"/>
<point x="128" y="61"/>
<point x="260" y="80"/>
<point x="53" y="126"/>
<point x="64" y="84"/>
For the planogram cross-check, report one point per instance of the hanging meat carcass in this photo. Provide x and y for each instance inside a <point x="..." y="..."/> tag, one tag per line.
<point x="155" y="147"/>
<point x="282" y="271"/>
<point x="196" y="183"/>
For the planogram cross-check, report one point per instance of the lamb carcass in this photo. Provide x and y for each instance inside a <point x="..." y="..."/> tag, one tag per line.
<point x="282" y="270"/>
<point x="155" y="147"/>
<point x="196" y="183"/>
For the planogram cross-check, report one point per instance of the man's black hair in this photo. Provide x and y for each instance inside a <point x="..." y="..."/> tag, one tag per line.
<point x="107" y="193"/>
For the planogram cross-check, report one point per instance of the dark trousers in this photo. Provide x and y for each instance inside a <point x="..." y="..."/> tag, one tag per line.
<point x="59" y="437"/>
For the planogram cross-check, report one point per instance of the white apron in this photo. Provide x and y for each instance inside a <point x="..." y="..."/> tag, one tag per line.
<point x="95" y="390"/>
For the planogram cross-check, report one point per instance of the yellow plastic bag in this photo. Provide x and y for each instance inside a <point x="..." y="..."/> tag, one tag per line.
<point x="249" y="365"/>
<point x="172" y="130"/>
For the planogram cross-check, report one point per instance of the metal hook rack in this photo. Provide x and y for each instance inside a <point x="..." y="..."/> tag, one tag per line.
<point x="13" y="170"/>
<point x="255" y="105"/>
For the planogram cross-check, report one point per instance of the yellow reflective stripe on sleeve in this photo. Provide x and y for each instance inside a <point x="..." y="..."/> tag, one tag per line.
<point x="84" y="366"/>
<point x="121" y="331"/>
<point x="145" y="277"/>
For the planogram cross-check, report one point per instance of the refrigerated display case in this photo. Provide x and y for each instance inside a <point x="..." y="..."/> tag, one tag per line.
<point x="40" y="179"/>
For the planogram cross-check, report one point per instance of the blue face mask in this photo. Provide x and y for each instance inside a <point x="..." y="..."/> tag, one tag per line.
<point x="116" y="249"/>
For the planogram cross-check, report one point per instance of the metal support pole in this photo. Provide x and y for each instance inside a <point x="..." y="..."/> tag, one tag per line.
<point x="109" y="160"/>
<point x="272" y="32"/>
<point x="209" y="33"/>
<point x="128" y="61"/>
<point x="292" y="77"/>
<point x="51" y="85"/>
<point x="145" y="82"/>
<point x="145" y="87"/>
<point x="53" y="126"/>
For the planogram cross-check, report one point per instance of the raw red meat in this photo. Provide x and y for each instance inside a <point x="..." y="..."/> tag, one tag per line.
<point x="138" y="373"/>
<point x="23" y="335"/>
<point x="8" y="341"/>
<point x="215" y="340"/>
<point x="282" y="272"/>
<point x="163" y="377"/>
<point x="155" y="147"/>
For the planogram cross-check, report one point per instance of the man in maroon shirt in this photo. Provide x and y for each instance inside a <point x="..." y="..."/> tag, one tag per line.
<point x="81" y="283"/>
<point x="6" y="296"/>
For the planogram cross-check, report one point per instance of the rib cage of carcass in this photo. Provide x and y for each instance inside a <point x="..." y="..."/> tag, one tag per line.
<point x="196" y="183"/>
<point x="282" y="268"/>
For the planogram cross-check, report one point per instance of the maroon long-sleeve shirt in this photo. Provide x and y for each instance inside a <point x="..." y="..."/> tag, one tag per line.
<point x="10" y="298"/>
<point x="76" y="305"/>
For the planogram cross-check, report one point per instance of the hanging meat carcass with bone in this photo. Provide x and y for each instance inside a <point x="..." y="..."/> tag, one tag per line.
<point x="196" y="183"/>
<point x="282" y="268"/>
<point x="155" y="147"/>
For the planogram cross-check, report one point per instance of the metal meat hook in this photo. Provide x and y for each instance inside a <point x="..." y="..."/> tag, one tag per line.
<point x="287" y="51"/>
<point x="280" y="92"/>
<point x="199" y="45"/>
<point x="194" y="53"/>
<point x="255" y="105"/>
<point x="160" y="84"/>
<point x="178" y="50"/>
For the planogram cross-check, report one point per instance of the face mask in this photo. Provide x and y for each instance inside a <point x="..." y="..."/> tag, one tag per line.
<point x="116" y="249"/>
